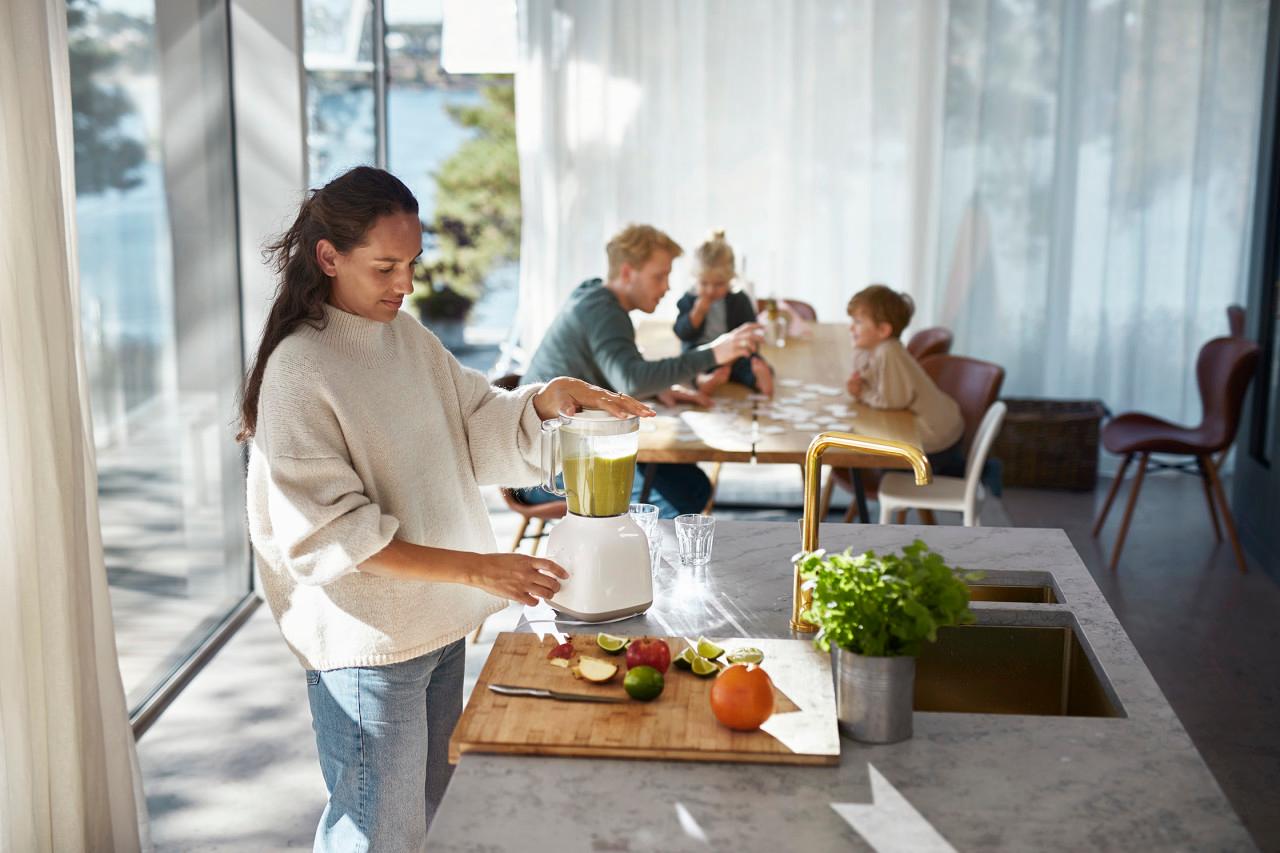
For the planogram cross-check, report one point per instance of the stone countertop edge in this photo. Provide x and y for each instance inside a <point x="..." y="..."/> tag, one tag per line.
<point x="984" y="782"/>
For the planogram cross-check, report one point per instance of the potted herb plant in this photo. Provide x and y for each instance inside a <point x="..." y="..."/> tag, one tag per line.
<point x="876" y="611"/>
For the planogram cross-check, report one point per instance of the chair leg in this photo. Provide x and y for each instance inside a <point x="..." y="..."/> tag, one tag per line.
<point x="537" y="537"/>
<point x="902" y="516"/>
<point x="1208" y="496"/>
<point x="927" y="517"/>
<point x="715" y="481"/>
<point x="524" y="525"/>
<point x="828" y="489"/>
<point x="1111" y="494"/>
<point x="1128" y="510"/>
<point x="1227" y="518"/>
<point x="850" y="512"/>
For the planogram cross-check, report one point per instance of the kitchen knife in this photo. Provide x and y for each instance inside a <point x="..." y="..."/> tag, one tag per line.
<point x="511" y="690"/>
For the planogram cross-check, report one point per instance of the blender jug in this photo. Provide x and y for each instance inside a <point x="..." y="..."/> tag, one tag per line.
<point x="597" y="455"/>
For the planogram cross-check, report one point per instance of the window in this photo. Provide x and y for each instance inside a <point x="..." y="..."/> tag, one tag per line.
<point x="160" y="318"/>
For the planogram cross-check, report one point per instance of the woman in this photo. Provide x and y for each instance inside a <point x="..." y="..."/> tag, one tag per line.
<point x="369" y="442"/>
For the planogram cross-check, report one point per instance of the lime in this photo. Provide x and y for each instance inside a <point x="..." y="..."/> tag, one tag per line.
<point x="643" y="683"/>
<point x="708" y="649"/>
<point x="704" y="668"/>
<point x="611" y="644"/>
<point x="747" y="655"/>
<point x="684" y="660"/>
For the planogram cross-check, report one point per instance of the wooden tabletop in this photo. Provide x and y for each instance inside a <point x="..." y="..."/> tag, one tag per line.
<point x="809" y="398"/>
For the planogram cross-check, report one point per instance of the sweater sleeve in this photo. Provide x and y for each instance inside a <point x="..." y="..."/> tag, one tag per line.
<point x="322" y="523"/>
<point x="684" y="328"/>
<point x="613" y="346"/>
<point x="892" y="387"/>
<point x="503" y="428"/>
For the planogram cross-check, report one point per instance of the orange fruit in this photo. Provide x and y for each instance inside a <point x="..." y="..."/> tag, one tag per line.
<point x="742" y="697"/>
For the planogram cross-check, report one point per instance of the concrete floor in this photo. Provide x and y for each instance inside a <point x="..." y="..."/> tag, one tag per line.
<point x="231" y="765"/>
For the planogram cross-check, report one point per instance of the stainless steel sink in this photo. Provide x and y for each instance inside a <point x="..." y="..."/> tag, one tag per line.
<point x="1005" y="669"/>
<point x="1018" y="593"/>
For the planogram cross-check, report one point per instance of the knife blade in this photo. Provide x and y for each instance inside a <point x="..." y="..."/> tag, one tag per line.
<point x="539" y="693"/>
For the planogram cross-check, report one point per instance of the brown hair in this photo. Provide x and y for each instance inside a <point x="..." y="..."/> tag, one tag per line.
<point x="884" y="305"/>
<point x="716" y="254"/>
<point x="635" y="244"/>
<point x="342" y="211"/>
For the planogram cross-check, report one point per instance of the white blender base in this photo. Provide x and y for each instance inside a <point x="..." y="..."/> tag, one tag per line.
<point x="608" y="564"/>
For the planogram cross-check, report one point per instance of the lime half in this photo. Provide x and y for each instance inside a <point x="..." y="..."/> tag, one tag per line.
<point x="684" y="660"/>
<point x="708" y="649"/>
<point x="704" y="668"/>
<point x="643" y="683"/>
<point x="611" y="644"/>
<point x="747" y="655"/>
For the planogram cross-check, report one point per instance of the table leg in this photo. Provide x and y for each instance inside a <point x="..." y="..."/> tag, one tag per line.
<point x="650" y="471"/>
<point x="860" y="495"/>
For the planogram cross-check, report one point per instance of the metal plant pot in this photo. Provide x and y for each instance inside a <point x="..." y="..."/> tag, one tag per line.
<point x="874" y="696"/>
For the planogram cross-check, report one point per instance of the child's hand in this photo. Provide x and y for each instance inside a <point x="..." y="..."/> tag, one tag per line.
<point x="763" y="374"/>
<point x="708" y="382"/>
<point x="677" y="394"/>
<point x="854" y="385"/>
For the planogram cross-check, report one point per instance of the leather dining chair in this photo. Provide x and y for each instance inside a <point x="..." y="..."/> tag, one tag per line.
<point x="542" y="513"/>
<point x="935" y="340"/>
<point x="1224" y="369"/>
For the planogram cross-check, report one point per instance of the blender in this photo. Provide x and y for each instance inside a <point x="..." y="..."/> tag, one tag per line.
<point x="603" y="549"/>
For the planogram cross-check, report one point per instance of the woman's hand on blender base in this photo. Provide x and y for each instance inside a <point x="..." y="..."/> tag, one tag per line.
<point x="564" y="395"/>
<point x="517" y="577"/>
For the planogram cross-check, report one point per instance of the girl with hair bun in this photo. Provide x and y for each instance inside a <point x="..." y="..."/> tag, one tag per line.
<point x="711" y="308"/>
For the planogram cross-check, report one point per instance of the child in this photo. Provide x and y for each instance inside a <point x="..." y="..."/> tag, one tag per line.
<point x="885" y="376"/>
<point x="712" y="308"/>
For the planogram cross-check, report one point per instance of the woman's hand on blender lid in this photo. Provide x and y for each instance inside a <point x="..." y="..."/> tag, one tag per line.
<point x="566" y="396"/>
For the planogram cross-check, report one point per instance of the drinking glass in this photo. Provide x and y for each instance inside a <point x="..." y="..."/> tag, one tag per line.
<point x="693" y="539"/>
<point x="646" y="515"/>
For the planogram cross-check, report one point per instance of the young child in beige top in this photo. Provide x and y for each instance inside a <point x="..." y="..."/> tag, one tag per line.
<point x="885" y="376"/>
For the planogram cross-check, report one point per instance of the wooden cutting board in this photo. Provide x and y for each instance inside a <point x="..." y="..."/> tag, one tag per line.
<point x="678" y="725"/>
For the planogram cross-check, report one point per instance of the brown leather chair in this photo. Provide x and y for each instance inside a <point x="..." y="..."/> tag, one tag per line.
<point x="542" y="513"/>
<point x="1224" y="369"/>
<point x="1235" y="320"/>
<point x="972" y="383"/>
<point x="935" y="340"/>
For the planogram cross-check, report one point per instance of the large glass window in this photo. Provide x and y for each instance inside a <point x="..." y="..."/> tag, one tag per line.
<point x="160" y="317"/>
<point x="449" y="136"/>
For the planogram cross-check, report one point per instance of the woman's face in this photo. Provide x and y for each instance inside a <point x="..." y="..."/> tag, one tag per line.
<point x="373" y="279"/>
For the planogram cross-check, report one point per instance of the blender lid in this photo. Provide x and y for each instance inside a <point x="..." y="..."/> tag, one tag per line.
<point x="597" y="422"/>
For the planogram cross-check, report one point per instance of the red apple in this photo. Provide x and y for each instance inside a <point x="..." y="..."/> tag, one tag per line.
<point x="647" y="651"/>
<point x="564" y="650"/>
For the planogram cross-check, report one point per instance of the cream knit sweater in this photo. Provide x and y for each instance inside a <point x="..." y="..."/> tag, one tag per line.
<point x="892" y="379"/>
<point x="368" y="431"/>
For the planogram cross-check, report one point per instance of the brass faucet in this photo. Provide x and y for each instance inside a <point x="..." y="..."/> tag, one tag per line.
<point x="822" y="442"/>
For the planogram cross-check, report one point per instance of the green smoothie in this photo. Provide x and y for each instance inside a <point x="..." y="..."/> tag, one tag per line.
<point x="599" y="486"/>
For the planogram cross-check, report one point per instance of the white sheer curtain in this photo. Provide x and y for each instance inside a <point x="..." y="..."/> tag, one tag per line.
<point x="1066" y="185"/>
<point x="69" y="777"/>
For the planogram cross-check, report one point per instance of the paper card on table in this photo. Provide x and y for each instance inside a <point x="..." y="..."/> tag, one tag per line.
<point x="806" y="425"/>
<point x="773" y="430"/>
<point x="790" y="383"/>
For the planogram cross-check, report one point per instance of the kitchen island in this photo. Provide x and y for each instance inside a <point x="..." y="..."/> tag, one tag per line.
<point x="1129" y="780"/>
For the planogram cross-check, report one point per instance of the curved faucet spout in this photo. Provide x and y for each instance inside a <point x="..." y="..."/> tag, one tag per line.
<point x="801" y="598"/>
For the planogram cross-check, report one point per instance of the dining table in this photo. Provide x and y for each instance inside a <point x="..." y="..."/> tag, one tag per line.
<point x="809" y="397"/>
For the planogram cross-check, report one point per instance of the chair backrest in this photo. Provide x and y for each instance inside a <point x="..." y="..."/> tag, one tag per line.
<point x="1235" y="320"/>
<point x="507" y="383"/>
<point x="982" y="442"/>
<point x="972" y="383"/>
<point x="935" y="340"/>
<point x="1223" y="371"/>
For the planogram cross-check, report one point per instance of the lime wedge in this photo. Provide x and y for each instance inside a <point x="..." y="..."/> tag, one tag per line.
<point x="708" y="649"/>
<point x="747" y="655"/>
<point x="611" y="644"/>
<point x="704" y="668"/>
<point x="684" y="660"/>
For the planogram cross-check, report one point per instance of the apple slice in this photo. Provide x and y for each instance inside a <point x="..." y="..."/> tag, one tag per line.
<point x="594" y="669"/>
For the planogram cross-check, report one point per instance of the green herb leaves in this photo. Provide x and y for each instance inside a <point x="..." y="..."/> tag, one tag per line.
<point x="883" y="606"/>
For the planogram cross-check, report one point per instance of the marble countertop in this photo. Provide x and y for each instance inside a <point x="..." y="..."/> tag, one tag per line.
<point x="982" y="782"/>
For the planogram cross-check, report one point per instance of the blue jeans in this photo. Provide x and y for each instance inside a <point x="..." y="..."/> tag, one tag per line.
<point x="677" y="490"/>
<point x="383" y="737"/>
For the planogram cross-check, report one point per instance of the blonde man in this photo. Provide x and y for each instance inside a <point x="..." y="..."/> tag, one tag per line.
<point x="592" y="338"/>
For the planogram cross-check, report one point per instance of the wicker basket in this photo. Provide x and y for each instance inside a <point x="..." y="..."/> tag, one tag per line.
<point x="1050" y="444"/>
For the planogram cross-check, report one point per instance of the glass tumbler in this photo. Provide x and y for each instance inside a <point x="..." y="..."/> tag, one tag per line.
<point x="694" y="534"/>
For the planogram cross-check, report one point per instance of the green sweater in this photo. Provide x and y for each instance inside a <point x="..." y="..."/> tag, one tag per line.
<point x="592" y="339"/>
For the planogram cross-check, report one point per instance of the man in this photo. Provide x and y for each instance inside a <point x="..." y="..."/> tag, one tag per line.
<point x="592" y="338"/>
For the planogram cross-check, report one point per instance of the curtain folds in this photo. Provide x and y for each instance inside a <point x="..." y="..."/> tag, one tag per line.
<point x="1064" y="184"/>
<point x="69" y="776"/>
